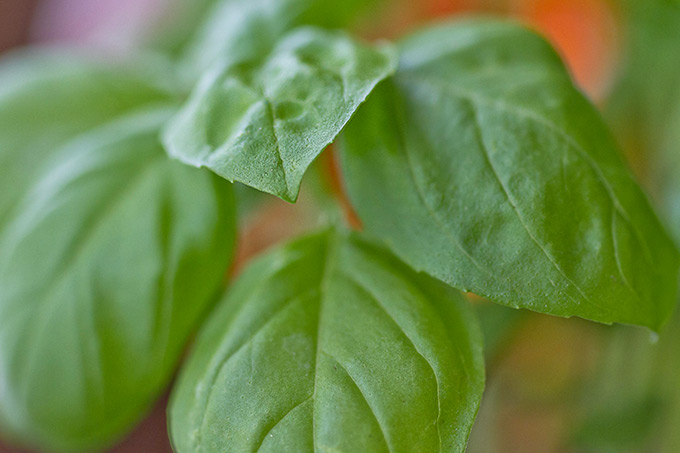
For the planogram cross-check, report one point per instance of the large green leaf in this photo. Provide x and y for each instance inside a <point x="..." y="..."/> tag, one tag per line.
<point x="331" y="344"/>
<point x="45" y="99"/>
<point x="481" y="164"/>
<point x="106" y="266"/>
<point x="263" y="124"/>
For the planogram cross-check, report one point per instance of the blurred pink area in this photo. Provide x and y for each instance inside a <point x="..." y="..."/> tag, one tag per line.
<point x="115" y="25"/>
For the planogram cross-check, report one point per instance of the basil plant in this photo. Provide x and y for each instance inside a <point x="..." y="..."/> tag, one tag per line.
<point x="472" y="161"/>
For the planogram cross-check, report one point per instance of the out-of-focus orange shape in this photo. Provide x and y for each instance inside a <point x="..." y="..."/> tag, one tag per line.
<point x="435" y="8"/>
<point x="585" y="33"/>
<point x="399" y="17"/>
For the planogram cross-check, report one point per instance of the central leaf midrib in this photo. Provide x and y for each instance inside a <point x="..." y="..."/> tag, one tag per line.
<point x="277" y="144"/>
<point x="332" y="244"/>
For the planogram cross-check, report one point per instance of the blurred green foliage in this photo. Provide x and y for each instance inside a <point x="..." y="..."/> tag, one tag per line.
<point x="634" y="398"/>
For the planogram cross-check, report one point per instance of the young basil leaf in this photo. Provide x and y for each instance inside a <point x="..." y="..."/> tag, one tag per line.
<point x="248" y="30"/>
<point x="482" y="165"/>
<point x="46" y="99"/>
<point x="331" y="344"/>
<point x="264" y="124"/>
<point x="106" y="266"/>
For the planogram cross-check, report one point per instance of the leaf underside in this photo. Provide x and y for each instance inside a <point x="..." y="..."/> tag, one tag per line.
<point x="262" y="123"/>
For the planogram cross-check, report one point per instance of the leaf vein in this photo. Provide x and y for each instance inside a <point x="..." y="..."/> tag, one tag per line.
<point x="363" y="395"/>
<point x="331" y="251"/>
<point x="474" y="98"/>
<point x="278" y="422"/>
<point x="379" y="304"/>
<point x="484" y="147"/>
<point x="226" y="360"/>
<point x="430" y="210"/>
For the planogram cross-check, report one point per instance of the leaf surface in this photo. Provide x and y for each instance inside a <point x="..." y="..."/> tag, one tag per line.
<point x="106" y="266"/>
<point x="263" y="123"/>
<point x="331" y="344"/>
<point x="481" y="164"/>
<point x="47" y="99"/>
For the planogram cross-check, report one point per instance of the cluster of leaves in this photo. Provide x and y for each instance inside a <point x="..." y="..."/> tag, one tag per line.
<point x="470" y="157"/>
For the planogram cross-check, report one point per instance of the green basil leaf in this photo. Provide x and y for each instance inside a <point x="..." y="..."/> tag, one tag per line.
<point x="107" y="265"/>
<point x="47" y="99"/>
<point x="482" y="165"/>
<point x="248" y="30"/>
<point x="331" y="344"/>
<point x="264" y="124"/>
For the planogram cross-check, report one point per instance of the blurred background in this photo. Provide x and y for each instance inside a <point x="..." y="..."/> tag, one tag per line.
<point x="553" y="385"/>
